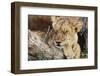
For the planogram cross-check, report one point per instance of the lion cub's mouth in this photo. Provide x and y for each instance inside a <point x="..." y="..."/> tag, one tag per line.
<point x="58" y="45"/>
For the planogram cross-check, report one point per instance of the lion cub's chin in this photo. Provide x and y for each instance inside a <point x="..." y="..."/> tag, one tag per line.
<point x="59" y="47"/>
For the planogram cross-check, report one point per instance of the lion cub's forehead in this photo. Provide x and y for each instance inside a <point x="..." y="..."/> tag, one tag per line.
<point x="65" y="23"/>
<point x="66" y="19"/>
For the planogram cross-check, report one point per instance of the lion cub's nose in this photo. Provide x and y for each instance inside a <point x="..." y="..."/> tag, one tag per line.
<point x="58" y="43"/>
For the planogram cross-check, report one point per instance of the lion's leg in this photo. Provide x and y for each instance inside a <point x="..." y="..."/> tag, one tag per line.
<point x="69" y="52"/>
<point x="76" y="49"/>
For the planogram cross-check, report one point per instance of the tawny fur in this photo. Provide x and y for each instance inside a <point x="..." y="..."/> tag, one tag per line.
<point x="66" y="29"/>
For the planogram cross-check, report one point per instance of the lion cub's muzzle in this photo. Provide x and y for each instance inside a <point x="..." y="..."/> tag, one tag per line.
<point x="58" y="39"/>
<point x="58" y="43"/>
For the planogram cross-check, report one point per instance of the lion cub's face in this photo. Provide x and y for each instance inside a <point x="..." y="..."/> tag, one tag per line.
<point x="65" y="29"/>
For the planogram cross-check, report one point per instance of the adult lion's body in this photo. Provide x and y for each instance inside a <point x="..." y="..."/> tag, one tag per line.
<point x="66" y="29"/>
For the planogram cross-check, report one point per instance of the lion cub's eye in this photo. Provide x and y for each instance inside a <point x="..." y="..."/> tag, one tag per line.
<point x="65" y="32"/>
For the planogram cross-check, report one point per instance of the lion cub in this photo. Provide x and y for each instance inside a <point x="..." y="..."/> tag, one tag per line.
<point x="65" y="34"/>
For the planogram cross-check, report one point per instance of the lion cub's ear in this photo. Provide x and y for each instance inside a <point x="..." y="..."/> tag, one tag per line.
<point x="78" y="26"/>
<point x="53" y="18"/>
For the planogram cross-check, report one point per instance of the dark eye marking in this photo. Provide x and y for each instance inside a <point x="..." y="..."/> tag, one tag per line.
<point x="65" y="32"/>
<point x="76" y="29"/>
